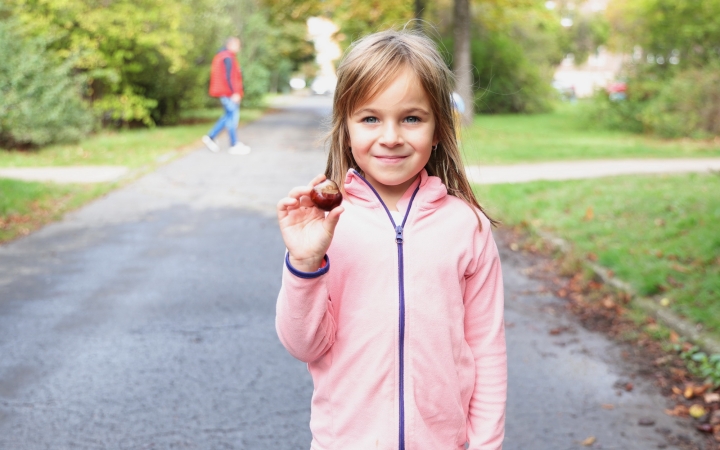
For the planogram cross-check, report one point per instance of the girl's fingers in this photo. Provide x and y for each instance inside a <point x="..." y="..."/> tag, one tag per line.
<point x="299" y="191"/>
<point x="332" y="218"/>
<point x="306" y="202"/>
<point x="318" y="179"/>
<point x="286" y="203"/>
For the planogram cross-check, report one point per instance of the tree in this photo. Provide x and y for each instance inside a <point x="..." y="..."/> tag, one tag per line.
<point x="461" y="57"/>
<point x="419" y="9"/>
<point x="41" y="97"/>
<point x="358" y="18"/>
<point x="686" y="30"/>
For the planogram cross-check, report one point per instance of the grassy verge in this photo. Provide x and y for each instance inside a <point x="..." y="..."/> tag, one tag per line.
<point x="659" y="233"/>
<point x="25" y="206"/>
<point x="131" y="148"/>
<point x="564" y="135"/>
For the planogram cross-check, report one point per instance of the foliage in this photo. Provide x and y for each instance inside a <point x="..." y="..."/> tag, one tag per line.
<point x="115" y="41"/>
<point x="41" y="101"/>
<point x="514" y="46"/>
<point x="605" y="113"/>
<point x="672" y="80"/>
<point x="701" y="364"/>
<point x="687" y="105"/>
<point x="689" y="30"/>
<point x="147" y="60"/>
<point x="589" y="31"/>
<point x="358" y="18"/>
<point x="668" y="245"/>
<point x="506" y="80"/>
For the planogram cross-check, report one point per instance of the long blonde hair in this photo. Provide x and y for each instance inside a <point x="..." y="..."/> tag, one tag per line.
<point x="369" y="65"/>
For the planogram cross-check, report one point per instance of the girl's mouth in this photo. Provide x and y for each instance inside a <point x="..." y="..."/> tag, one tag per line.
<point x="391" y="159"/>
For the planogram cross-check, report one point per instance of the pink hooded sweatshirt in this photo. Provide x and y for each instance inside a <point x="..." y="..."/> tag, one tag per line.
<point x="402" y="328"/>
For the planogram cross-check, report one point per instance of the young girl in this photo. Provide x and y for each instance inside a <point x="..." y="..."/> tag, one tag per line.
<point x="395" y="298"/>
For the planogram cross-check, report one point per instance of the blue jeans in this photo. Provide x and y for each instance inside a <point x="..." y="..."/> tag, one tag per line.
<point x="229" y="120"/>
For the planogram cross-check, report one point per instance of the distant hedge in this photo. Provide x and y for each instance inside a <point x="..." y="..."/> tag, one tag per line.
<point x="41" y="98"/>
<point x="685" y="105"/>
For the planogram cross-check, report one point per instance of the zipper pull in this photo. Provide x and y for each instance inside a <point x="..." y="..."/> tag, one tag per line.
<point x="399" y="234"/>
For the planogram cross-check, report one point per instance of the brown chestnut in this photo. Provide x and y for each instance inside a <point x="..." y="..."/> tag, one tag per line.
<point x="326" y="195"/>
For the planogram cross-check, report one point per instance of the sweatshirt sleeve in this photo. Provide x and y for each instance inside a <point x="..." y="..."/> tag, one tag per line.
<point x="304" y="317"/>
<point x="485" y="333"/>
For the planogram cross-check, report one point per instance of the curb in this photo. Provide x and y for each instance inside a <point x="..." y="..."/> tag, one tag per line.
<point x="681" y="326"/>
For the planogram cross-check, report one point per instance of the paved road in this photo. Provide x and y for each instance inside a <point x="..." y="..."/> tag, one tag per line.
<point x="145" y="321"/>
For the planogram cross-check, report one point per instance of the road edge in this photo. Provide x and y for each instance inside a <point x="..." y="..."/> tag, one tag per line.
<point x="650" y="306"/>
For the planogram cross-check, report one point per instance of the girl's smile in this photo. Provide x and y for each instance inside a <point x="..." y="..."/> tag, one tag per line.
<point x="392" y="135"/>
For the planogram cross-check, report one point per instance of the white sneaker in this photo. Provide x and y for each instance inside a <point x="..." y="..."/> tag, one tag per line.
<point x="239" y="149"/>
<point x="210" y="144"/>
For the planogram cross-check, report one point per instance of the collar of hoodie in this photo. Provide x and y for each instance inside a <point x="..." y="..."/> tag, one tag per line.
<point x="432" y="192"/>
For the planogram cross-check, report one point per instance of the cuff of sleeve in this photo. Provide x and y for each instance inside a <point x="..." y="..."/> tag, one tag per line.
<point x="321" y="271"/>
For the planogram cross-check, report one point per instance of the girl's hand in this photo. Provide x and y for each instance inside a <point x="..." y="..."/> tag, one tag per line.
<point x="305" y="228"/>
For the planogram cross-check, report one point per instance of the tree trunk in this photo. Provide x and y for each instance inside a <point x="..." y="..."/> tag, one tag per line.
<point x="461" y="58"/>
<point x="419" y="8"/>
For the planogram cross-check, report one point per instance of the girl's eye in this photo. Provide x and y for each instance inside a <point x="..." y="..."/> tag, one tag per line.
<point x="412" y="119"/>
<point x="370" y="120"/>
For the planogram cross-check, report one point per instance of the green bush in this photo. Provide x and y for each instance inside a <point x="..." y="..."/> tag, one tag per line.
<point x="506" y="80"/>
<point x="41" y="101"/>
<point x="672" y="105"/>
<point x="256" y="82"/>
<point x="688" y="105"/>
<point x="621" y="115"/>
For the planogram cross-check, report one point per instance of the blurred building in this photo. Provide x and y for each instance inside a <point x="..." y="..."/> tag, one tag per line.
<point x="598" y="72"/>
<point x="327" y="51"/>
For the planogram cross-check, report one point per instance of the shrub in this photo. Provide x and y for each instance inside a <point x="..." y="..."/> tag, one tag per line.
<point x="682" y="104"/>
<point x="506" y="80"/>
<point x="615" y="115"/>
<point x="41" y="101"/>
<point x="688" y="105"/>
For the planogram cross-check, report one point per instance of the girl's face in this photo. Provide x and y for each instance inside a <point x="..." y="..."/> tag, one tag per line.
<point x="392" y="135"/>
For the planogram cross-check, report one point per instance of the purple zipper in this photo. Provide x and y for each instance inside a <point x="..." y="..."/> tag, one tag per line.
<point x="399" y="238"/>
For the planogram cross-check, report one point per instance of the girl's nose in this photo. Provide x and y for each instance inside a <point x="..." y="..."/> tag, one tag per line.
<point x="391" y="136"/>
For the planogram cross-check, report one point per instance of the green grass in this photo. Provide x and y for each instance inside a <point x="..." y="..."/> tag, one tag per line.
<point x="565" y="135"/>
<point x="24" y="206"/>
<point x="132" y="148"/>
<point x="659" y="233"/>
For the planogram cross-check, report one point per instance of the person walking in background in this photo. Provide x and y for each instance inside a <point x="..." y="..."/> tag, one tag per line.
<point x="226" y="83"/>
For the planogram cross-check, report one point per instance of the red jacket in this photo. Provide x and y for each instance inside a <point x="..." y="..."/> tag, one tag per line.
<point x="225" y="80"/>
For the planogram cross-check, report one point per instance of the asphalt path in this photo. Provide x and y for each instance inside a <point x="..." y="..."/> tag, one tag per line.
<point x="145" y="320"/>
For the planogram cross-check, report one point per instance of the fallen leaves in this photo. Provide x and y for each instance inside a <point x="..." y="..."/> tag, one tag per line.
<point x="559" y="330"/>
<point x="696" y="411"/>
<point x="601" y="308"/>
<point x="678" y="411"/>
